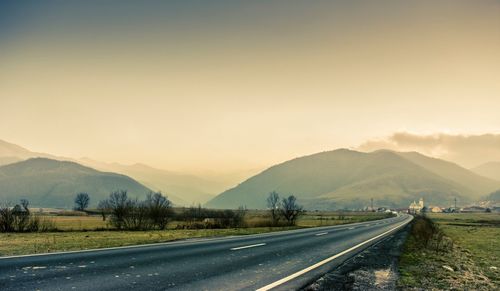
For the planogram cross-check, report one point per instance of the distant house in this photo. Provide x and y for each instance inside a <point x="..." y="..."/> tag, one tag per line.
<point x="450" y="210"/>
<point x="435" y="209"/>
<point x="473" y="209"/>
<point x="415" y="207"/>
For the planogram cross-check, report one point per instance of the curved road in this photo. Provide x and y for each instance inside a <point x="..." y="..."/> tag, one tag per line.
<point x="279" y="261"/>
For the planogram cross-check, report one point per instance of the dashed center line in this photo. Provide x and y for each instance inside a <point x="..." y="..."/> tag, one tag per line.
<point x="321" y="233"/>
<point x="246" y="247"/>
<point x="351" y="228"/>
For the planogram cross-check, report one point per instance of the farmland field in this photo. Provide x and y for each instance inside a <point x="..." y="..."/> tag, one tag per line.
<point x="471" y="262"/>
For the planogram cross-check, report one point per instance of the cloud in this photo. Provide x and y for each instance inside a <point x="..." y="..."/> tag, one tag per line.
<point x="466" y="150"/>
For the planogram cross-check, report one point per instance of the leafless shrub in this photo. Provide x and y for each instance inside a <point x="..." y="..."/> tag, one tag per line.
<point x="20" y="219"/>
<point x="273" y="204"/>
<point x="153" y="213"/>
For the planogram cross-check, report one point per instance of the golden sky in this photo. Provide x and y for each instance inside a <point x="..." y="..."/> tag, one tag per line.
<point x="224" y="85"/>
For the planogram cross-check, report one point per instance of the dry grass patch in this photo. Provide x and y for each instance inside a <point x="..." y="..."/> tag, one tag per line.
<point x="463" y="264"/>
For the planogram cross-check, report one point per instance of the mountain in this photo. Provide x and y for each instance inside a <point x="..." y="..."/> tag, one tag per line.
<point x="349" y="179"/>
<point x="495" y="196"/>
<point x="181" y="188"/>
<point x="479" y="183"/>
<point x="490" y="170"/>
<point x="11" y="153"/>
<point x="51" y="183"/>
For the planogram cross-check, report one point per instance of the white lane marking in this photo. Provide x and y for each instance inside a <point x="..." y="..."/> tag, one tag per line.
<point x="351" y="228"/>
<point x="321" y="233"/>
<point x="319" y="264"/>
<point x="246" y="247"/>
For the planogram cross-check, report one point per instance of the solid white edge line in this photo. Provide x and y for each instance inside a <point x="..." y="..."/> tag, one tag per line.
<point x="321" y="233"/>
<point x="247" y="247"/>
<point x="319" y="264"/>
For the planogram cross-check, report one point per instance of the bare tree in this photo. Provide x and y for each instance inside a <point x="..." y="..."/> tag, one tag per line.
<point x="25" y="204"/>
<point x="82" y="201"/>
<point x="120" y="207"/>
<point x="273" y="203"/>
<point x="103" y="208"/>
<point x="290" y="209"/>
<point x="159" y="208"/>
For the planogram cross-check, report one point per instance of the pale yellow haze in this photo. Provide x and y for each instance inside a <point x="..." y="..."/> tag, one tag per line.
<point x="257" y="84"/>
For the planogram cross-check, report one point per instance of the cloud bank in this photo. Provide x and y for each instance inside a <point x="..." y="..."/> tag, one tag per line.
<point x="466" y="150"/>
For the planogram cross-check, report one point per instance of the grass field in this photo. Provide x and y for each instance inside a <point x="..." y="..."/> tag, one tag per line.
<point x="79" y="232"/>
<point x="478" y="234"/>
<point x="473" y="256"/>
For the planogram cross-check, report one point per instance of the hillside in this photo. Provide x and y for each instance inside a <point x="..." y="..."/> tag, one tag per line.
<point x="345" y="178"/>
<point x="50" y="183"/>
<point x="490" y="170"/>
<point x="494" y="196"/>
<point x="467" y="178"/>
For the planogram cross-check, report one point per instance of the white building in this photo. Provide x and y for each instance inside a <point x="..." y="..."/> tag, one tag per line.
<point x="416" y="207"/>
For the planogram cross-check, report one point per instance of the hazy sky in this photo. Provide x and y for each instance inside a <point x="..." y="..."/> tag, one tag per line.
<point x="238" y="84"/>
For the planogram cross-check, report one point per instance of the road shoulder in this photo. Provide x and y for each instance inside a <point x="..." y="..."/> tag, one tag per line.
<point x="375" y="268"/>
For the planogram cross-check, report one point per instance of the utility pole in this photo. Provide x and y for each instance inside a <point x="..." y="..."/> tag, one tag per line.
<point x="372" y="204"/>
<point x="455" y="203"/>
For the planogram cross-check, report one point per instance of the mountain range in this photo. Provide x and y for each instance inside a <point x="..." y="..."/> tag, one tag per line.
<point x="182" y="189"/>
<point x="328" y="180"/>
<point x="350" y="179"/>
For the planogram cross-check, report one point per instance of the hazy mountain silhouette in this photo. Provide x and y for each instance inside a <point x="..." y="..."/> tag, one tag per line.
<point x="454" y="172"/>
<point x="186" y="189"/>
<point x="494" y="196"/>
<point x="182" y="189"/>
<point x="490" y="170"/>
<point x="11" y="153"/>
<point x="51" y="183"/>
<point x="349" y="179"/>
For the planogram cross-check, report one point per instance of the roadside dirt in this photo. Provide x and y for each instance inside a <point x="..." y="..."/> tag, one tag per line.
<point x="374" y="268"/>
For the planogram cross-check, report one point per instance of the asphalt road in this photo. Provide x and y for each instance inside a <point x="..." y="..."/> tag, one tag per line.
<point x="279" y="261"/>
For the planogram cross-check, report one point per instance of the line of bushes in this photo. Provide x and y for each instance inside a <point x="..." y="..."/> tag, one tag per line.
<point x="20" y="219"/>
<point x="131" y="214"/>
<point x="154" y="213"/>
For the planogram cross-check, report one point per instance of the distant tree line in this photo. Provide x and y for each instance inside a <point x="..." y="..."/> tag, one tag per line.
<point x="156" y="211"/>
<point x="283" y="211"/>
<point x="198" y="217"/>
